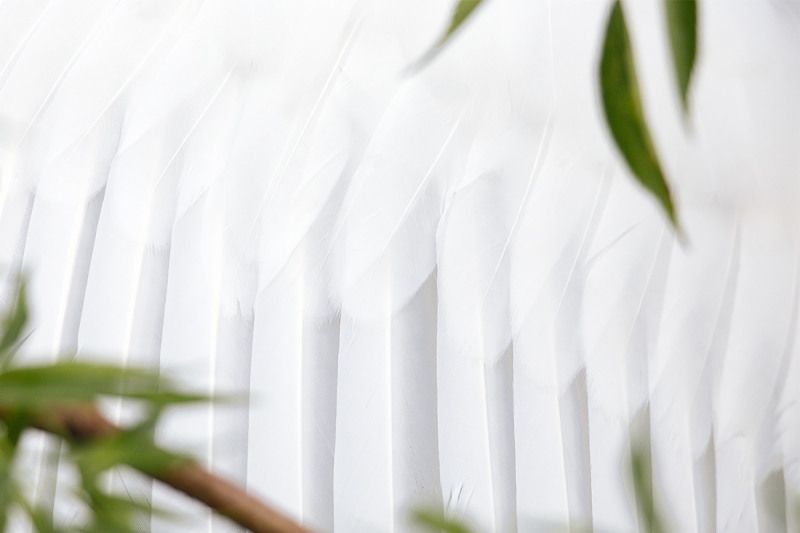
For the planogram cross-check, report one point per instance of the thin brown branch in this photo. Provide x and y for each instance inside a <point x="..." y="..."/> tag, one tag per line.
<point x="228" y="500"/>
<point x="85" y="423"/>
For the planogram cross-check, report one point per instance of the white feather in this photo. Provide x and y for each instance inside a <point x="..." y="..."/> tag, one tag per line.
<point x="440" y="286"/>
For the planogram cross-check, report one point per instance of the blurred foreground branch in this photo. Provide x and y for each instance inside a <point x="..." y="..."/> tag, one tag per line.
<point x="61" y="399"/>
<point x="81" y="424"/>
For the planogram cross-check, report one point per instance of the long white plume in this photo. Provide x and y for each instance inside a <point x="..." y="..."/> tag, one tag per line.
<point x="439" y="286"/>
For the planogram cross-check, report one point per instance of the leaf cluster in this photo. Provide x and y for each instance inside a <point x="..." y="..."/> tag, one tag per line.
<point x="622" y="101"/>
<point x="619" y="87"/>
<point x="32" y="397"/>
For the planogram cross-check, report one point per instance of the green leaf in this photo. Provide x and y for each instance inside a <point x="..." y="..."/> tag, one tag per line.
<point x="463" y="9"/>
<point x="436" y="521"/>
<point x="16" y="421"/>
<point x="163" y="398"/>
<point x="642" y="474"/>
<point x="75" y="382"/>
<point x="42" y="521"/>
<point x="133" y="447"/>
<point x="624" y="114"/>
<point x="112" y="514"/>
<point x="8" y="487"/>
<point x="13" y="323"/>
<point x="108" y="513"/>
<point x="36" y="386"/>
<point x="682" y="29"/>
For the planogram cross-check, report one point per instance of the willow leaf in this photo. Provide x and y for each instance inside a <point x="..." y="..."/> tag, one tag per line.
<point x="13" y="323"/>
<point x="36" y="386"/>
<point x="682" y="29"/>
<point x="8" y="487"/>
<point x="642" y="474"/>
<point x="463" y="10"/>
<point x="42" y="521"/>
<point x="112" y="514"/>
<point x="623" y="110"/>
<point x="437" y="522"/>
<point x="132" y="447"/>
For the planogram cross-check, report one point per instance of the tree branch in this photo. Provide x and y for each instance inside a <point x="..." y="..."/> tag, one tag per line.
<point x="85" y="423"/>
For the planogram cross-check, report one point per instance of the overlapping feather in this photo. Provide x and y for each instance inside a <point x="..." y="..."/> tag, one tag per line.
<point x="440" y="285"/>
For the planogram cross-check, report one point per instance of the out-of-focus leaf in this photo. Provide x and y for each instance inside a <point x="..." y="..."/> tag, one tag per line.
<point x="463" y="9"/>
<point x="76" y="382"/>
<point x="624" y="114"/>
<point x="42" y="522"/>
<point x="8" y="487"/>
<point x="28" y="394"/>
<point x="13" y="322"/>
<point x="16" y="422"/>
<point x="437" y="522"/>
<point x="82" y="382"/>
<point x="112" y="514"/>
<point x="163" y="399"/>
<point x="133" y="447"/>
<point x="682" y="29"/>
<point x="641" y="472"/>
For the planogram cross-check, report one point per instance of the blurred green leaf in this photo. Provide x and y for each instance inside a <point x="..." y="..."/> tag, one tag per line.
<point x="623" y="109"/>
<point x="34" y="391"/>
<point x="16" y="421"/>
<point x="164" y="398"/>
<point x="35" y="386"/>
<point x="463" y="9"/>
<point x="42" y="521"/>
<point x="131" y="447"/>
<point x="74" y="382"/>
<point x="682" y="29"/>
<point x="13" y="322"/>
<point x="112" y="514"/>
<point x="8" y="487"/>
<point x="641" y="472"/>
<point x="436" y="521"/>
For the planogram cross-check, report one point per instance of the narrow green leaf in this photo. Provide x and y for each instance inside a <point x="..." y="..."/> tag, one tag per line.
<point x="642" y="474"/>
<point x="624" y="114"/>
<point x="112" y="514"/>
<point x="16" y="421"/>
<point x="463" y="9"/>
<point x="133" y="447"/>
<point x="42" y="521"/>
<point x="32" y="387"/>
<point x="108" y="513"/>
<point x="8" y="486"/>
<point x="13" y="323"/>
<point x="682" y="29"/>
<point x="75" y="382"/>
<point x="437" y="522"/>
<point x="164" y="398"/>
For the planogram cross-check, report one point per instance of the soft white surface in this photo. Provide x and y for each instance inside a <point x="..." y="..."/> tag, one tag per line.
<point x="440" y="287"/>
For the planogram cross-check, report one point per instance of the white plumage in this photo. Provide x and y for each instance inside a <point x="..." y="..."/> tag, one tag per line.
<point x="441" y="286"/>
